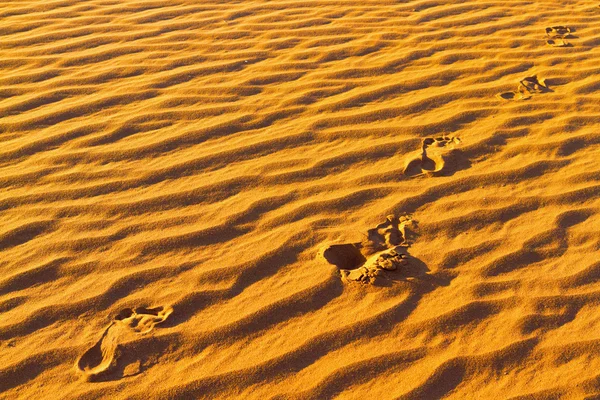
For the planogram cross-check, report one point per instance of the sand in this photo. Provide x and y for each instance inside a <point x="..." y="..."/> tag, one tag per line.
<point x="299" y="200"/>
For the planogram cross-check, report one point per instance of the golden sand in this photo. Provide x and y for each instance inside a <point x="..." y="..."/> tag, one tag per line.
<point x="299" y="199"/>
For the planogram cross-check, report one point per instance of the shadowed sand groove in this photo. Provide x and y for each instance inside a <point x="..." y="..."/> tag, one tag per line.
<point x="200" y="154"/>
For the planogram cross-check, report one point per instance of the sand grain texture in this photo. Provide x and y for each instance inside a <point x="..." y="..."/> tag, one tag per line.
<point x="170" y="171"/>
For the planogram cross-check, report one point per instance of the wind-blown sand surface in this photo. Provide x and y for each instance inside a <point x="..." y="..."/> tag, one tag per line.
<point x="173" y="172"/>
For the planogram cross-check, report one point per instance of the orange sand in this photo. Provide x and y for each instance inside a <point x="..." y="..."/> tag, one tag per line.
<point x="173" y="172"/>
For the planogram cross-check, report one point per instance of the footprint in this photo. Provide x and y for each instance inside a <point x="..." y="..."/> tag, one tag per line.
<point x="383" y="250"/>
<point x="433" y="157"/>
<point x="558" y="42"/>
<point x="374" y="268"/>
<point x="101" y="359"/>
<point x="557" y="36"/>
<point x="392" y="232"/>
<point x="527" y="87"/>
<point x="558" y="30"/>
<point x="534" y="85"/>
<point x="518" y="95"/>
<point x="142" y="320"/>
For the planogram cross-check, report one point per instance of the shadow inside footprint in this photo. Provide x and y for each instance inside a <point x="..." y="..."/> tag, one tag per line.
<point x="430" y="165"/>
<point x="508" y="95"/>
<point x="346" y="255"/>
<point x="100" y="361"/>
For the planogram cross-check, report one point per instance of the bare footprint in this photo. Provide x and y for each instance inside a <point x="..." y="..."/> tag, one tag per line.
<point x="392" y="232"/>
<point x="432" y="158"/>
<point x="557" y="36"/>
<point x="557" y="42"/>
<point x="101" y="359"/>
<point x="526" y="88"/>
<point x="143" y="320"/>
<point x="383" y="250"/>
<point x="517" y="95"/>
<point x="520" y="94"/>
<point x="375" y="267"/>
<point x="558" y="30"/>
<point x="534" y="85"/>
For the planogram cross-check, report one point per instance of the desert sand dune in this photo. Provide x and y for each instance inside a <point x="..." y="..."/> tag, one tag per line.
<point x="193" y="198"/>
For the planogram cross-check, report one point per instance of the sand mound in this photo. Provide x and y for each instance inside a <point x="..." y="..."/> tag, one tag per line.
<point x="172" y="173"/>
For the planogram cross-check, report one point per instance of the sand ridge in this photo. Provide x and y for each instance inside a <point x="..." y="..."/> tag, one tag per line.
<point x="171" y="173"/>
